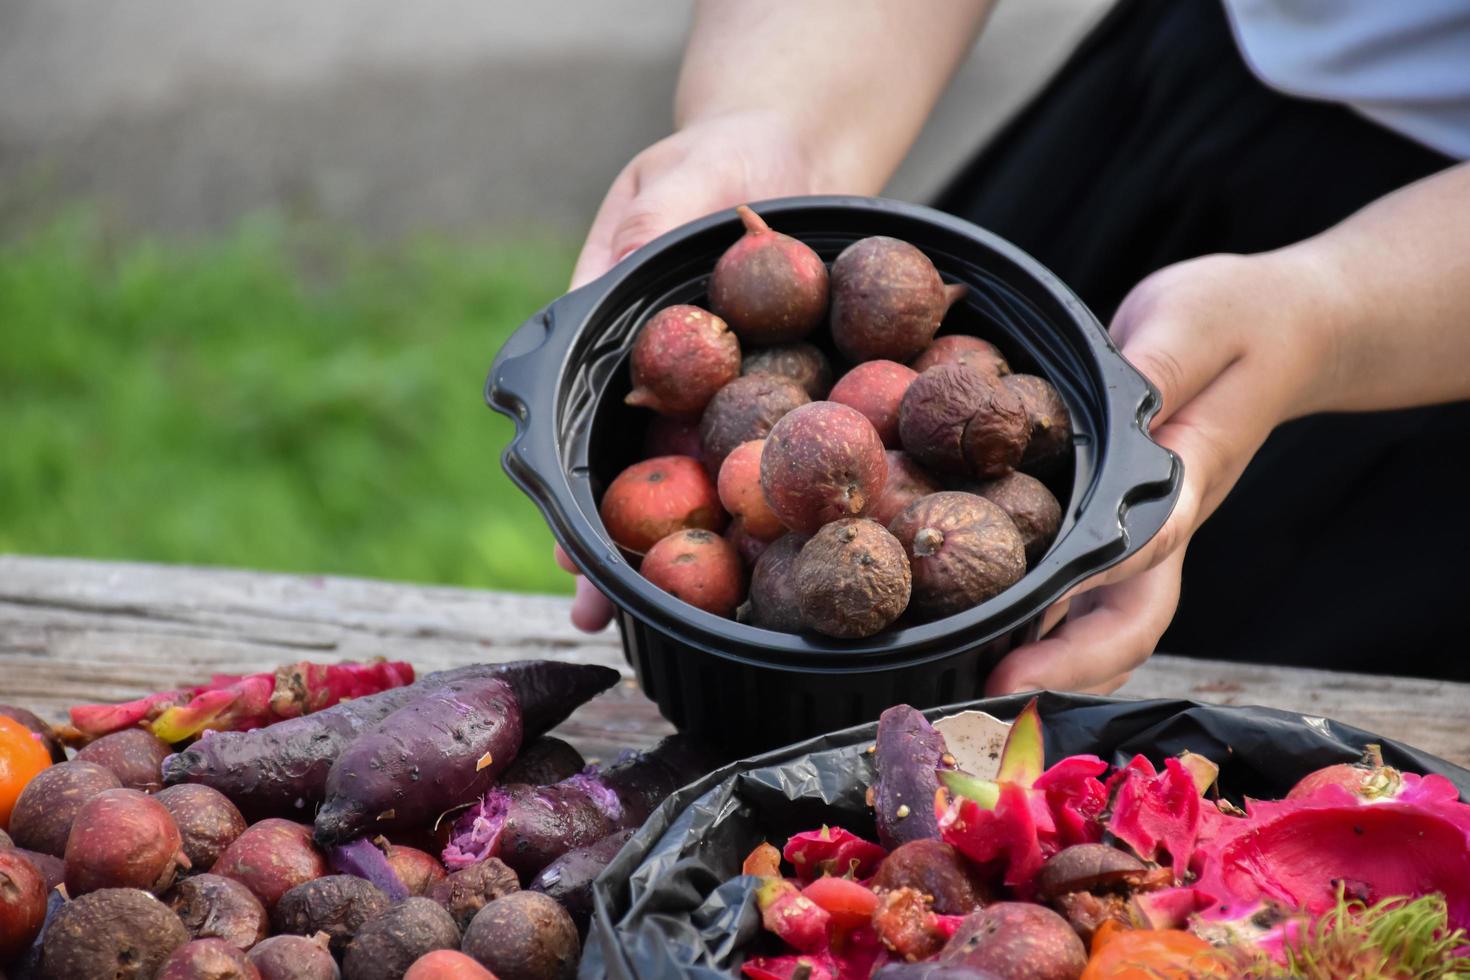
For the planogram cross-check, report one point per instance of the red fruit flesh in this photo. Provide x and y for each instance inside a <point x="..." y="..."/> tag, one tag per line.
<point x="650" y="500"/>
<point x="699" y="567"/>
<point x="770" y="288"/>
<point x="887" y="300"/>
<point x="831" y="851"/>
<point x="682" y="356"/>
<point x="972" y="352"/>
<point x="876" y="389"/>
<point x="849" y="903"/>
<point x="740" y="491"/>
<point x="122" y="838"/>
<point x="907" y="481"/>
<point x="822" y="462"/>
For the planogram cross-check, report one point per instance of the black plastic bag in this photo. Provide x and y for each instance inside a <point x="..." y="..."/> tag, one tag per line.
<point x="670" y="904"/>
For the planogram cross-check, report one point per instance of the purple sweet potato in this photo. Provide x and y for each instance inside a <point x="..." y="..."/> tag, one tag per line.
<point x="528" y="827"/>
<point x="909" y="751"/>
<point x="294" y="958"/>
<point x="544" y="761"/>
<point x="362" y="858"/>
<point x="282" y="769"/>
<point x="569" y="878"/>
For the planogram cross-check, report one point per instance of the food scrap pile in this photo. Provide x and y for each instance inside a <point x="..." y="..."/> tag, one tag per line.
<point x="1080" y="871"/>
<point x="316" y="822"/>
<point x="914" y="487"/>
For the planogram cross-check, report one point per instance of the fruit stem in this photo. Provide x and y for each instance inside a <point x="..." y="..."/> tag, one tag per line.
<point x="928" y="541"/>
<point x="754" y="223"/>
<point x="953" y="293"/>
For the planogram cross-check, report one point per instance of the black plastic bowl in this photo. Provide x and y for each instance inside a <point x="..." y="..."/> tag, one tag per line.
<point x="562" y="377"/>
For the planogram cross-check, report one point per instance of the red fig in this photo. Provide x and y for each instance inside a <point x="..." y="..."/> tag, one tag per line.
<point x="822" y="462"/>
<point x="699" y="567"/>
<point x="682" y="356"/>
<point x="654" y="498"/>
<point x="907" y="481"/>
<point x="887" y="300"/>
<point x="802" y="363"/>
<point x="770" y="288"/>
<point x="876" y="389"/>
<point x="740" y="491"/>
<point x="956" y="348"/>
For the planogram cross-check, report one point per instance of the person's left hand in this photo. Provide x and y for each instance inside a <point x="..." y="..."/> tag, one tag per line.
<point x="1235" y="344"/>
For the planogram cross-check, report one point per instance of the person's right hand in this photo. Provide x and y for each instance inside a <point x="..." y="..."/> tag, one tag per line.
<point x="708" y="165"/>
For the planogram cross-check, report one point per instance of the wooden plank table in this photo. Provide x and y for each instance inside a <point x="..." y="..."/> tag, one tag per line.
<point x="75" y="631"/>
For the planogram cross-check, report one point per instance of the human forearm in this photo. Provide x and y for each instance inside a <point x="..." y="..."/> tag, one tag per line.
<point x="855" y="80"/>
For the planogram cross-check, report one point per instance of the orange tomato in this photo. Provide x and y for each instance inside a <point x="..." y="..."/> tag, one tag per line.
<point x="1151" y="954"/>
<point x="22" y="755"/>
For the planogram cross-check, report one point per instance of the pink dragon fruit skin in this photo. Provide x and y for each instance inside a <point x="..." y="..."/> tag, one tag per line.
<point x="832" y="850"/>
<point x="1153" y="811"/>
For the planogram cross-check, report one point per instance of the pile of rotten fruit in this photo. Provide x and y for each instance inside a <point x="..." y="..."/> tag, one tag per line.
<point x="1071" y="872"/>
<point x="910" y="485"/>
<point x="290" y="826"/>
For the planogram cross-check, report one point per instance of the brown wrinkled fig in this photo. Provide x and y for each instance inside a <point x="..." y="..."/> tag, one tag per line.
<point x="206" y="819"/>
<point x="211" y="907"/>
<point x="936" y="869"/>
<point x="386" y="945"/>
<point x="525" y="935"/>
<point x="962" y="548"/>
<point x="771" y="603"/>
<point x="682" y="356"/>
<point x="1051" y="424"/>
<point x="45" y="809"/>
<point x="887" y="300"/>
<point x="876" y="388"/>
<point x="852" y="579"/>
<point x="337" y="905"/>
<point x="1018" y="940"/>
<point x="700" y="568"/>
<point x="956" y="348"/>
<point x="771" y="288"/>
<point x="996" y="435"/>
<point x="118" y="933"/>
<point x="907" y="482"/>
<point x="1030" y="506"/>
<point x="464" y="892"/>
<point x="802" y="363"/>
<point x="294" y="958"/>
<point x="936" y="411"/>
<point x="822" y="462"/>
<point x="743" y="410"/>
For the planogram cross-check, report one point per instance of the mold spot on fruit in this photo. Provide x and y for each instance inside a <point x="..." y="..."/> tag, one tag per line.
<point x="771" y="288"/>
<point x="653" y="499"/>
<point x="852" y="579"/>
<point x="887" y="300"/>
<point x="972" y="352"/>
<point x="699" y="567"/>
<point x="802" y="363"/>
<point x="963" y="550"/>
<point x="682" y="356"/>
<point x="876" y="388"/>
<point x="743" y="410"/>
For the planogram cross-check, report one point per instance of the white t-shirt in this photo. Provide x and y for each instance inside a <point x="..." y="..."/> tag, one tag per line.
<point x="1405" y="64"/>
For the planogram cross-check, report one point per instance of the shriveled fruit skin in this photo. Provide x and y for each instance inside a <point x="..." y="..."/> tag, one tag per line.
<point x="294" y="958"/>
<point x="671" y="437"/>
<point x="803" y="363"/>
<point x="526" y="935"/>
<point x="213" y="907"/>
<point x="743" y="410"/>
<point x="122" y="838"/>
<point x="43" y="814"/>
<point x="699" y="567"/>
<point x="1030" y="506"/>
<point x="22" y="904"/>
<point x="337" y="905"/>
<point x="852" y="579"/>
<point x="1051" y="423"/>
<point x="771" y="287"/>
<point x="822" y="462"/>
<point x="682" y="356"/>
<point x="389" y="943"/>
<point x="997" y="434"/>
<point x="772" y="603"/>
<point x="956" y="348"/>
<point x="887" y="300"/>
<point x="740" y="491"/>
<point x="206" y="819"/>
<point x="134" y="755"/>
<point x="1018" y="941"/>
<point x="907" y="481"/>
<point x="747" y="546"/>
<point x="119" y="933"/>
<point x="963" y="549"/>
<point x="957" y="421"/>
<point x="936" y="869"/>
<point x="207" y="959"/>
<point x="876" y="388"/>
<point x="464" y="892"/>
<point x="653" y="499"/>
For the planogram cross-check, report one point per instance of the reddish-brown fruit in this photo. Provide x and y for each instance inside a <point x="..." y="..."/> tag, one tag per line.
<point x="1017" y="940"/>
<point x="117" y="933"/>
<point x="1051" y="424"/>
<point x="418" y="870"/>
<point x="206" y="819"/>
<point x="699" y="567"/>
<point x="936" y="869"/>
<point x="957" y="348"/>
<point x="887" y="300"/>
<point x="294" y="958"/>
<point x="682" y="356"/>
<point x="671" y="437"/>
<point x="958" y="421"/>
<point x="743" y="410"/>
<point x="748" y="546"/>
<point x="447" y="964"/>
<point x="219" y="908"/>
<point x="388" y="944"/>
<point x="35" y="724"/>
<point x="963" y="549"/>
<point x="852" y="579"/>
<point x="741" y="494"/>
<point x="43" y="814"/>
<point x="337" y="905"/>
<point x="524" y="935"/>
<point x="876" y="388"/>
<point x="22" y="904"/>
<point x="1030" y="506"/>
<point x="907" y="481"/>
<point x="134" y="755"/>
<point x="802" y="363"/>
<point x="771" y="603"/>
<point x="1089" y="868"/>
<point x="468" y="890"/>
<point x="52" y="868"/>
<point x="771" y="288"/>
<point x="822" y="462"/>
<point x="207" y="959"/>
<point x="122" y="838"/>
<point x="270" y="858"/>
<point x="653" y="499"/>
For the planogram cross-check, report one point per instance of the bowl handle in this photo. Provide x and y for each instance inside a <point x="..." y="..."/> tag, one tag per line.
<point x="1153" y="475"/>
<point x="519" y="377"/>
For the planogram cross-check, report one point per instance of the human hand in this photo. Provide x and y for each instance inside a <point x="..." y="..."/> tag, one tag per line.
<point x="708" y="165"/>
<point x="1236" y="345"/>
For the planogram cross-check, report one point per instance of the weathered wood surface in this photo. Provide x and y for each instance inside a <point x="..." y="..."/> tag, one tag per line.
<point x="74" y="631"/>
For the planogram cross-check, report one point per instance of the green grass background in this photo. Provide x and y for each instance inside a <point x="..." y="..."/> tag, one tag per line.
<point x="282" y="398"/>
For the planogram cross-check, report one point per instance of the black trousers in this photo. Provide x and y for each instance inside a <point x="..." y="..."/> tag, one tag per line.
<point x="1346" y="542"/>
